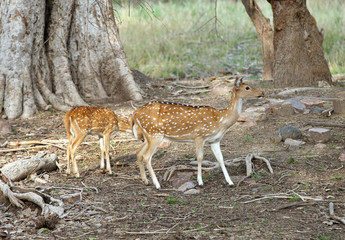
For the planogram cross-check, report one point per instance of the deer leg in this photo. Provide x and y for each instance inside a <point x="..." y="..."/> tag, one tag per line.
<point x="76" y="142"/>
<point x="152" y="146"/>
<point x="199" y="149"/>
<point x="142" y="149"/>
<point x="101" y="146"/>
<point x="70" y="135"/>
<point x="106" y="146"/>
<point x="219" y="156"/>
<point x="68" y="171"/>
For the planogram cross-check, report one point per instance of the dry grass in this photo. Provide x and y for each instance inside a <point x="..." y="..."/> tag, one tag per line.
<point x="182" y="38"/>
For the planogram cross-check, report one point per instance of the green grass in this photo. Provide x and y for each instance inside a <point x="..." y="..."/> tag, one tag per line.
<point x="179" y="38"/>
<point x="172" y="200"/>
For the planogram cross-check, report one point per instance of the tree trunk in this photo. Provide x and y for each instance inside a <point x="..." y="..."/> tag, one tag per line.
<point x="58" y="53"/>
<point x="298" y="54"/>
<point x="264" y="29"/>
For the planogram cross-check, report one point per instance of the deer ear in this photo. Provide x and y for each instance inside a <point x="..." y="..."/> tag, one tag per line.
<point x="237" y="84"/>
<point x="241" y="80"/>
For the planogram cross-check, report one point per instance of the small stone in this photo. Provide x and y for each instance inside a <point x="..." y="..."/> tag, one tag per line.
<point x="289" y="132"/>
<point x="186" y="186"/>
<point x="249" y="124"/>
<point x="180" y="178"/>
<point x="310" y="102"/>
<point x="315" y="109"/>
<point x="342" y="157"/>
<point x="292" y="142"/>
<point x="192" y="191"/>
<point x="320" y="146"/>
<point x="71" y="198"/>
<point x="296" y="104"/>
<point x="5" y="127"/>
<point x="320" y="135"/>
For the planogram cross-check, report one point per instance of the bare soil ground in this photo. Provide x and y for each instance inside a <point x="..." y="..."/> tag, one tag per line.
<point x="292" y="203"/>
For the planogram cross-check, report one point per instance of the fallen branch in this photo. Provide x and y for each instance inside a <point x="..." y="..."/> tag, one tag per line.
<point x="32" y="142"/>
<point x="295" y="204"/>
<point x="22" y="168"/>
<point x="21" y="149"/>
<point x="192" y="87"/>
<point x="332" y="215"/>
<point x="325" y="124"/>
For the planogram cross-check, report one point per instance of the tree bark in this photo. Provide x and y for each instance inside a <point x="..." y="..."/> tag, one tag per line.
<point x="264" y="29"/>
<point x="298" y="54"/>
<point x="57" y="53"/>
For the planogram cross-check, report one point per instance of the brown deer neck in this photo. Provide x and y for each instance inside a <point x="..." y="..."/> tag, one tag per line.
<point x="231" y="113"/>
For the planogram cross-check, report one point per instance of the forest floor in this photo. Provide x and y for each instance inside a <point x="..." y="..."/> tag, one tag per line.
<point x="291" y="203"/>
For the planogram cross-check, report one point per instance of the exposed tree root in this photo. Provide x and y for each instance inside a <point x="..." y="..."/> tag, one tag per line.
<point x="214" y="165"/>
<point x="332" y="215"/>
<point x="21" y="169"/>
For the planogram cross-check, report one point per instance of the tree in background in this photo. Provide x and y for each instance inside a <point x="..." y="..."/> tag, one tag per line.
<point x="297" y="57"/>
<point x="59" y="53"/>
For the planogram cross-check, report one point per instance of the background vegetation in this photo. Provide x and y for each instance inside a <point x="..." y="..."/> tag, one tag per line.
<point x="183" y="39"/>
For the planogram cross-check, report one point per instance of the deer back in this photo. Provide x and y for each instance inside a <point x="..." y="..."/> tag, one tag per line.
<point x="92" y="119"/>
<point x="176" y="121"/>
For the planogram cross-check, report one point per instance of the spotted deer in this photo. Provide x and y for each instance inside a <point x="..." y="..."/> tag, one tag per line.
<point x="177" y="122"/>
<point x="81" y="121"/>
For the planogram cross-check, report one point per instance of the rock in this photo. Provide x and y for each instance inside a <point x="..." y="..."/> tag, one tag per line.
<point x="5" y="127"/>
<point x="186" y="186"/>
<point x="292" y="142"/>
<point x="320" y="146"/>
<point x="289" y="132"/>
<point x="342" y="157"/>
<point x="192" y="191"/>
<point x="252" y="116"/>
<point x="297" y="105"/>
<point x="220" y="91"/>
<point x="320" y="135"/>
<point x="315" y="109"/>
<point x="285" y="110"/>
<point x="71" y="198"/>
<point x="249" y="123"/>
<point x="339" y="106"/>
<point x="180" y="178"/>
<point x="310" y="102"/>
<point x="164" y="144"/>
<point x="281" y="109"/>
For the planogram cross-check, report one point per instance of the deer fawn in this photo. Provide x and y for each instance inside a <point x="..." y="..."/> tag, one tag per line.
<point x="81" y="121"/>
<point x="199" y="124"/>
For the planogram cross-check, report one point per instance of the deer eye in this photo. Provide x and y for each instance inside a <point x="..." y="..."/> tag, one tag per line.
<point x="247" y="88"/>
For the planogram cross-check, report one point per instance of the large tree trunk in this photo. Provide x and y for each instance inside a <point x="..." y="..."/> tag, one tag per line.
<point x="264" y="29"/>
<point x="59" y="53"/>
<point x="298" y="54"/>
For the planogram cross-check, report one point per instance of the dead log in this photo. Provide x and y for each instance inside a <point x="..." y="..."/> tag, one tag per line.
<point x="22" y="168"/>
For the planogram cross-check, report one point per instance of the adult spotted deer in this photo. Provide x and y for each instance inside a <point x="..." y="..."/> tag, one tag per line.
<point x="81" y="121"/>
<point x="199" y="124"/>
